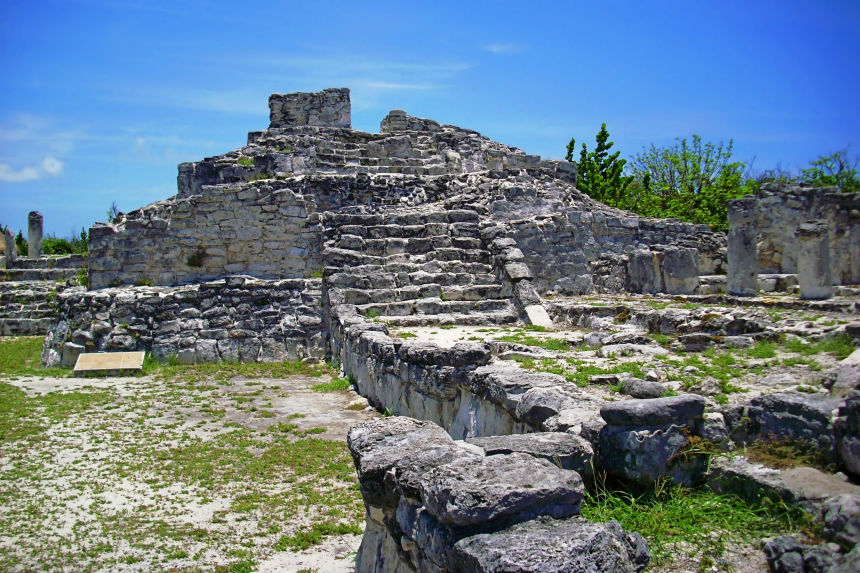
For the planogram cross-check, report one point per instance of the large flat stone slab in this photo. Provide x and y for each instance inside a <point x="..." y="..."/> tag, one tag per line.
<point x="109" y="363"/>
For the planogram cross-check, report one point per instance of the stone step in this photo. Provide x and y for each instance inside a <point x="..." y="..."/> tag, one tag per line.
<point x="396" y="280"/>
<point x="53" y="274"/>
<point x="414" y="246"/>
<point x="360" y="296"/>
<point x="26" y="311"/>
<point x="410" y="267"/>
<point x="434" y="305"/>
<point x="404" y="230"/>
<point x="24" y="326"/>
<point x="75" y="261"/>
<point x="473" y="319"/>
<point x="349" y="258"/>
<point x="363" y="219"/>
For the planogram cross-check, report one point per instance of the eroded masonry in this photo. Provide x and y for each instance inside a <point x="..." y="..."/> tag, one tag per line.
<point x="316" y="241"/>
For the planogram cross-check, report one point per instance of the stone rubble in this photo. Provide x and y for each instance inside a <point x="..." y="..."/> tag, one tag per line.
<point x="434" y="504"/>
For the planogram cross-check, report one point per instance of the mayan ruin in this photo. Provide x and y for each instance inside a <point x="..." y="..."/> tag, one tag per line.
<point x="516" y="344"/>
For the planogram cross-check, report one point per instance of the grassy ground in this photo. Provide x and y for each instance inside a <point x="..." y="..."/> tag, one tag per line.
<point x="697" y="524"/>
<point x="184" y="469"/>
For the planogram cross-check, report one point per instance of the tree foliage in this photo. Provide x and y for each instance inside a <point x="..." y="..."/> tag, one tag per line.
<point x="836" y="170"/>
<point x="21" y="243"/>
<point x="691" y="180"/>
<point x="599" y="173"/>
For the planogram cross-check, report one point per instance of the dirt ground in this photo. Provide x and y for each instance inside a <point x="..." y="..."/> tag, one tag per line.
<point x="184" y="474"/>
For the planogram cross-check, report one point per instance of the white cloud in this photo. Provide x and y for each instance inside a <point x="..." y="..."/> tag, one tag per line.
<point x="500" y="48"/>
<point x="52" y="166"/>
<point x="11" y="175"/>
<point x="49" y="167"/>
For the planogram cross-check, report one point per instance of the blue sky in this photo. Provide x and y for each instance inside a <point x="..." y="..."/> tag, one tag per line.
<point x="100" y="100"/>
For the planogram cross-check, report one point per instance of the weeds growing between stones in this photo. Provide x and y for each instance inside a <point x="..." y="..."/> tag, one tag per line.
<point x="673" y="518"/>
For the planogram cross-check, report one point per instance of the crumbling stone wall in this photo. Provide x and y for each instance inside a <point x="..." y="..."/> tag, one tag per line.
<point x="782" y="208"/>
<point x="577" y="252"/>
<point x="260" y="229"/>
<point x="433" y="504"/>
<point x="328" y="108"/>
<point x="238" y="318"/>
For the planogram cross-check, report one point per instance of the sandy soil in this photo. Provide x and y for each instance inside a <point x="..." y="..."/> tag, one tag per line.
<point x="83" y="493"/>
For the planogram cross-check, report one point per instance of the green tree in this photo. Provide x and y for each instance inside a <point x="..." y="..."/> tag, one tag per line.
<point x="21" y="243"/>
<point x="599" y="173"/>
<point x="690" y="180"/>
<point x="836" y="170"/>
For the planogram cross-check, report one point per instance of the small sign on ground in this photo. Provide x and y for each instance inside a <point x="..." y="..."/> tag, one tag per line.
<point x="109" y="363"/>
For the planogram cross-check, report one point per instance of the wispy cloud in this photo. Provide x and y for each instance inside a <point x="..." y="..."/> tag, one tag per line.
<point x="503" y="48"/>
<point x="222" y="100"/>
<point x="48" y="167"/>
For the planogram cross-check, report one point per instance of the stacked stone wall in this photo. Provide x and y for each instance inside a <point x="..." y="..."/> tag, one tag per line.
<point x="258" y="229"/>
<point x="577" y="252"/>
<point x="238" y="318"/>
<point x="782" y="208"/>
<point x="330" y="108"/>
<point x="456" y="388"/>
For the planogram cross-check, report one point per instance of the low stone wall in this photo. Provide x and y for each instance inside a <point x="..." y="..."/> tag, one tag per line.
<point x="578" y="252"/>
<point x="456" y="387"/>
<point x="433" y="504"/>
<point x="238" y="318"/>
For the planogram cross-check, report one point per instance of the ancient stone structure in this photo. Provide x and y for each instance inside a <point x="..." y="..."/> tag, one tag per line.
<point x="267" y="209"/>
<point x="290" y="247"/>
<point x="743" y="235"/>
<point x="328" y="108"/>
<point x="782" y="208"/>
<point x="10" y="246"/>
<point x="813" y="260"/>
<point x="34" y="235"/>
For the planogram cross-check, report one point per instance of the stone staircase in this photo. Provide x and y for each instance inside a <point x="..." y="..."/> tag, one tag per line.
<point x="414" y="269"/>
<point x="28" y="292"/>
<point x="26" y="307"/>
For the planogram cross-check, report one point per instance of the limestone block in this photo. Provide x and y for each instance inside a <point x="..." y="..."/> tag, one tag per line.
<point x="648" y="454"/>
<point x="567" y="450"/>
<point x="742" y="277"/>
<point x="537" y="315"/>
<point x="544" y="545"/>
<point x="71" y="351"/>
<point x="328" y="108"/>
<point x="813" y="260"/>
<point x="470" y="491"/>
<point x="641" y="413"/>
<point x="34" y="234"/>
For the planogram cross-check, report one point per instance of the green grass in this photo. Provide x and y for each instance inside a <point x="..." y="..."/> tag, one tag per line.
<point x="762" y="349"/>
<point x="21" y="356"/>
<point x="661" y="339"/>
<point x="307" y="537"/>
<point x="673" y="515"/>
<point x="840" y="346"/>
<point x="554" y="344"/>
<point x="246" y="161"/>
<point x="224" y="371"/>
<point x="334" y="385"/>
<point x="581" y="371"/>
